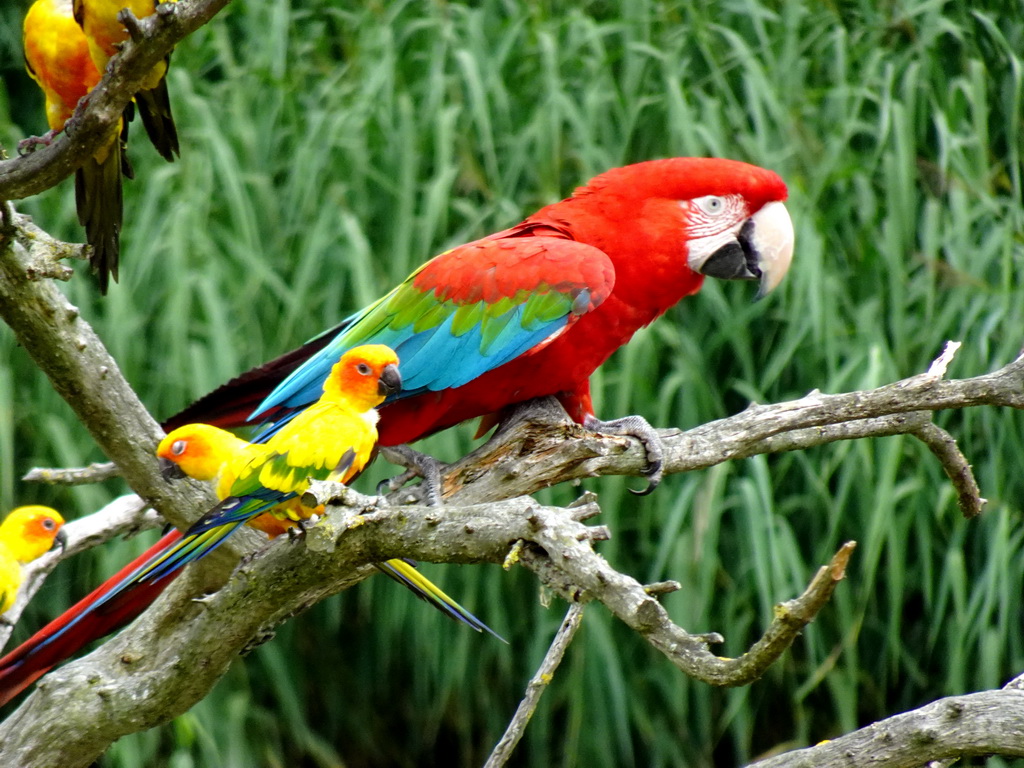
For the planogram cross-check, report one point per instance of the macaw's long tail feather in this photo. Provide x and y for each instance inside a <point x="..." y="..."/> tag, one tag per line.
<point x="99" y="201"/>
<point x="155" y="111"/>
<point x="407" y="575"/>
<point x="104" y="610"/>
<point x="230" y="404"/>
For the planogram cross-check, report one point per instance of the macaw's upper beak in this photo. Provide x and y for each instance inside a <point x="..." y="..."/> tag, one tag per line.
<point x="169" y="470"/>
<point x="390" y="382"/>
<point x="60" y="540"/>
<point x="761" y="250"/>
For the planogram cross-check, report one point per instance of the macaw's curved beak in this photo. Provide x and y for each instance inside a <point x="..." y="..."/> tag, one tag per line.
<point x="169" y="470"/>
<point x="761" y="249"/>
<point x="390" y="382"/>
<point x="60" y="540"/>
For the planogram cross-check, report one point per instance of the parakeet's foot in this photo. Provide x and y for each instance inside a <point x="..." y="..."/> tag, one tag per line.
<point x="640" y="428"/>
<point x="417" y="465"/>
<point x="298" y="530"/>
<point x="32" y="143"/>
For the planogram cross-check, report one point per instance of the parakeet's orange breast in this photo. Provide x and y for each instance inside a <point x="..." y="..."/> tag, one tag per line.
<point x="57" y="55"/>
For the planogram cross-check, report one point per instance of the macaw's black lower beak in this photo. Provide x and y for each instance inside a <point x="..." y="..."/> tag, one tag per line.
<point x="736" y="260"/>
<point x="60" y="540"/>
<point x="390" y="382"/>
<point x="170" y="471"/>
<point x="761" y="249"/>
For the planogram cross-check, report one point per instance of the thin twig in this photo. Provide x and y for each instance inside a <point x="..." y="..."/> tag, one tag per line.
<point x="943" y="446"/>
<point x="538" y="684"/>
<point x="96" y="472"/>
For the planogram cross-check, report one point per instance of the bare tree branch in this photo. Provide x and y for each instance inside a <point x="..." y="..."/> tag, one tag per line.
<point x="543" y="447"/>
<point x="535" y="689"/>
<point x="98" y="114"/>
<point x="955" y="465"/>
<point x="170" y="658"/>
<point x="986" y="723"/>
<point x="94" y="473"/>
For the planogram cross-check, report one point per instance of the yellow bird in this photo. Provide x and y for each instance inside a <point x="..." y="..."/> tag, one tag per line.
<point x="262" y="484"/>
<point x="25" y="534"/>
<point x="57" y="57"/>
<point x="98" y="19"/>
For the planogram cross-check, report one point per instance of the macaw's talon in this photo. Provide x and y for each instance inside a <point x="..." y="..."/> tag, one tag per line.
<point x="384" y="487"/>
<point x="640" y="428"/>
<point x="32" y="143"/>
<point x="417" y="465"/>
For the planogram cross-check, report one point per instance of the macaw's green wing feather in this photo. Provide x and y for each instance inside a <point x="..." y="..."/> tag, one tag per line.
<point x="466" y="312"/>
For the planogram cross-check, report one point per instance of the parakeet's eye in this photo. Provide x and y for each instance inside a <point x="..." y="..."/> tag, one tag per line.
<point x="178" y="447"/>
<point x="49" y="523"/>
<point x="364" y="369"/>
<point x="712" y="205"/>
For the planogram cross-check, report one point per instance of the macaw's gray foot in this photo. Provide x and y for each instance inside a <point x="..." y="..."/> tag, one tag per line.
<point x="640" y="428"/>
<point x="417" y="465"/>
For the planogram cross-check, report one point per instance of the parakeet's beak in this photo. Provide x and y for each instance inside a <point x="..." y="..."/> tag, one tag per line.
<point x="761" y="249"/>
<point x="170" y="471"/>
<point x="60" y="540"/>
<point x="390" y="382"/>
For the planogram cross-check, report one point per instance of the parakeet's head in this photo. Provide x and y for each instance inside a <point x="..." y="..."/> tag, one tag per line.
<point x="196" y="450"/>
<point x="364" y="377"/>
<point x="729" y="215"/>
<point x="32" y="530"/>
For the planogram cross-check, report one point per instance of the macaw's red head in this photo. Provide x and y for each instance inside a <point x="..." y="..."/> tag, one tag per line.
<point x="197" y="451"/>
<point x="364" y="377"/>
<point x="30" y="531"/>
<point x="725" y="218"/>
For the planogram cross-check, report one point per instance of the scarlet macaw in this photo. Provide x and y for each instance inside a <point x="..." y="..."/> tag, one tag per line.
<point x="57" y="57"/>
<point x="535" y="309"/>
<point x="25" y="534"/>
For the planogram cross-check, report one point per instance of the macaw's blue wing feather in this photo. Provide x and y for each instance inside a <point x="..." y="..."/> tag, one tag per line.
<point x="466" y="312"/>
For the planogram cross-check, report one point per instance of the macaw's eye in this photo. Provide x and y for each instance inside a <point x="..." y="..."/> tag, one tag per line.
<point x="364" y="369"/>
<point x="712" y="205"/>
<point x="49" y="523"/>
<point x="178" y="447"/>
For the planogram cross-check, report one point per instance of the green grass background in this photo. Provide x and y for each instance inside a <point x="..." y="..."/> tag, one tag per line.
<point x="328" y="148"/>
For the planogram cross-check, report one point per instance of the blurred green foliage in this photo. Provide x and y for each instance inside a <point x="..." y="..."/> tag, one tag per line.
<point x="328" y="148"/>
